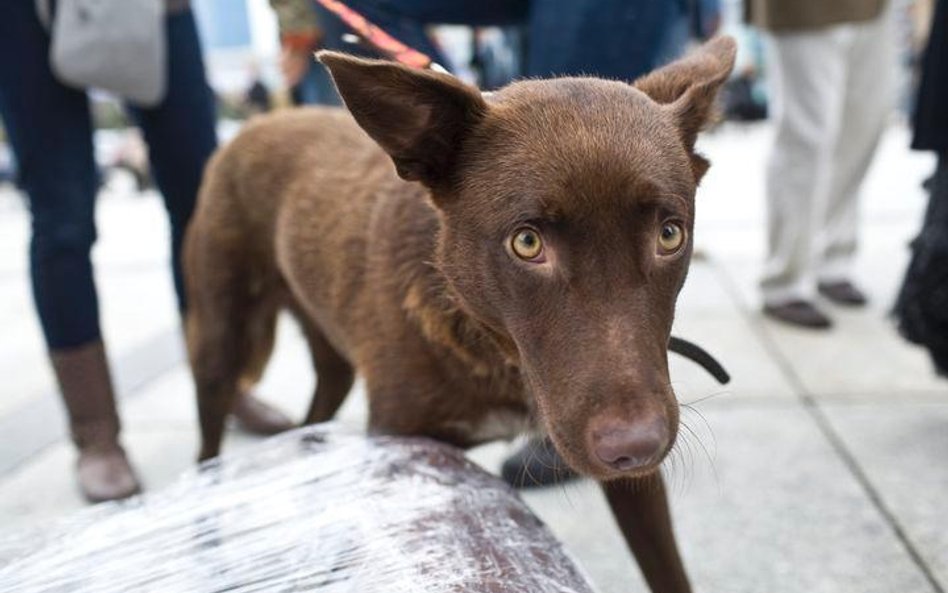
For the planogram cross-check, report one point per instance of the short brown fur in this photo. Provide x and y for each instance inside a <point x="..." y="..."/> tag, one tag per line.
<point x="407" y="274"/>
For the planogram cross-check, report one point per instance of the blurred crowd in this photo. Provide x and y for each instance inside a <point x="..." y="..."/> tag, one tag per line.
<point x="826" y="72"/>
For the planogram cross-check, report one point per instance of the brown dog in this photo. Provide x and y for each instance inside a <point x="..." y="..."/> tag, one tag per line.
<point x="517" y="268"/>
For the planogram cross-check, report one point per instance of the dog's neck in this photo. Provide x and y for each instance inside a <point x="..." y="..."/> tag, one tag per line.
<point x="438" y="311"/>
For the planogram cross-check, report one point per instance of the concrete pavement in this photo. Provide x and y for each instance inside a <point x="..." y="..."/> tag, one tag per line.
<point x="823" y="467"/>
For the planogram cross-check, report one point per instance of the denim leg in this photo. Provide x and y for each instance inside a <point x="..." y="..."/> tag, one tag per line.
<point x="618" y="39"/>
<point x="50" y="129"/>
<point x="180" y="133"/>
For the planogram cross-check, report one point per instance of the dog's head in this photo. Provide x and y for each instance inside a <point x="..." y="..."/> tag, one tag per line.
<point x="567" y="209"/>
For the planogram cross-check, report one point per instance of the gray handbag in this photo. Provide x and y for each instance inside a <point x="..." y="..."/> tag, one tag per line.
<point x="114" y="45"/>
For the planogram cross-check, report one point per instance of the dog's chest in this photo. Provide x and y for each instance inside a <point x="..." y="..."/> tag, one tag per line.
<point x="499" y="424"/>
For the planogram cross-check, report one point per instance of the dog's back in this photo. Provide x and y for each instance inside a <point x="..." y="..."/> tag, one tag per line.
<point x="292" y="155"/>
<point x="309" y="178"/>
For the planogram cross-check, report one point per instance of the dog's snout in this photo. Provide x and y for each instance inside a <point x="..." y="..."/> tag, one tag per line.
<point x="625" y="445"/>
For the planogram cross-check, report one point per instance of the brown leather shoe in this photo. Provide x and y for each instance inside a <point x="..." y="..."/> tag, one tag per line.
<point x="257" y="417"/>
<point x="843" y="293"/>
<point x="800" y="313"/>
<point x="105" y="474"/>
<point x="103" y="469"/>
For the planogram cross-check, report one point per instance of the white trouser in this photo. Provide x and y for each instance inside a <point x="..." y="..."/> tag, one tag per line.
<point x="832" y="91"/>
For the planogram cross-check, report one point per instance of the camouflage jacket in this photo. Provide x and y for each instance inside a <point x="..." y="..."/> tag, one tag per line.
<point x="297" y="19"/>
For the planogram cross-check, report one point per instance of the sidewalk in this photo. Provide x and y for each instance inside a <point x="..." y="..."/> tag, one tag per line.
<point x="823" y="467"/>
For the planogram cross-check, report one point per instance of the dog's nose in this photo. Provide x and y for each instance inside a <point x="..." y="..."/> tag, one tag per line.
<point x="625" y="445"/>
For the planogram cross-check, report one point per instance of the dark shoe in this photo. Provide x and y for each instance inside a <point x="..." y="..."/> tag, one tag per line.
<point x="799" y="313"/>
<point x="259" y="418"/>
<point x="536" y="465"/>
<point x="103" y="469"/>
<point x="843" y="293"/>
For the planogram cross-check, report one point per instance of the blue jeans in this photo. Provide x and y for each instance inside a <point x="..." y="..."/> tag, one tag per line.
<point x="50" y="128"/>
<point x="620" y="39"/>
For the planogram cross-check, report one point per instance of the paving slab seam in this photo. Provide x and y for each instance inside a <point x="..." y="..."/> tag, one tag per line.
<point x="819" y="416"/>
<point x="812" y="407"/>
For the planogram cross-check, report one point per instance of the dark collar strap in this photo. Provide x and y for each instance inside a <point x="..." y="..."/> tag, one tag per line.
<point x="699" y="355"/>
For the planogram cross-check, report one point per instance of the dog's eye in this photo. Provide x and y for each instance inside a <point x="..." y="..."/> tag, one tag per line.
<point x="671" y="238"/>
<point x="526" y="243"/>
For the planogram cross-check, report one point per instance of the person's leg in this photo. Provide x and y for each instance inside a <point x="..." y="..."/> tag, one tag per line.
<point x="806" y="71"/>
<point x="50" y="128"/>
<point x="608" y="38"/>
<point x="180" y="133"/>
<point x="921" y="309"/>
<point x="181" y="136"/>
<point x="869" y="98"/>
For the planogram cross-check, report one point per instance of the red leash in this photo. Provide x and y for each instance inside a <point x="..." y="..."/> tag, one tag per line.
<point x="379" y="39"/>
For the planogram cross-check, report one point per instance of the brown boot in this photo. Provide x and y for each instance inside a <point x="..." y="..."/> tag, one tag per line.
<point x="257" y="417"/>
<point x="103" y="470"/>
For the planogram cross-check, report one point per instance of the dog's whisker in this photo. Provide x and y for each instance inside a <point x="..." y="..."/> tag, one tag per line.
<point x="700" y="443"/>
<point x="704" y="420"/>
<point x="532" y="454"/>
<point x="680" y="471"/>
<point x="563" y="486"/>
<point x="709" y="396"/>
<point x="690" y="463"/>
<point x="711" y="457"/>
<point x="670" y="470"/>
<point x="684" y="451"/>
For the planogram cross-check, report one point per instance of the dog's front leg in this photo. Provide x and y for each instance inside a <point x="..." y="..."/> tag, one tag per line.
<point x="641" y="510"/>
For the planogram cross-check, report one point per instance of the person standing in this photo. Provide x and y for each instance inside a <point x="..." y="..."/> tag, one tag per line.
<point x="831" y="64"/>
<point x="922" y="306"/>
<point x="50" y="129"/>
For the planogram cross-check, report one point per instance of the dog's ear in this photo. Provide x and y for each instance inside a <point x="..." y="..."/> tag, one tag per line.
<point x="418" y="117"/>
<point x="689" y="86"/>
